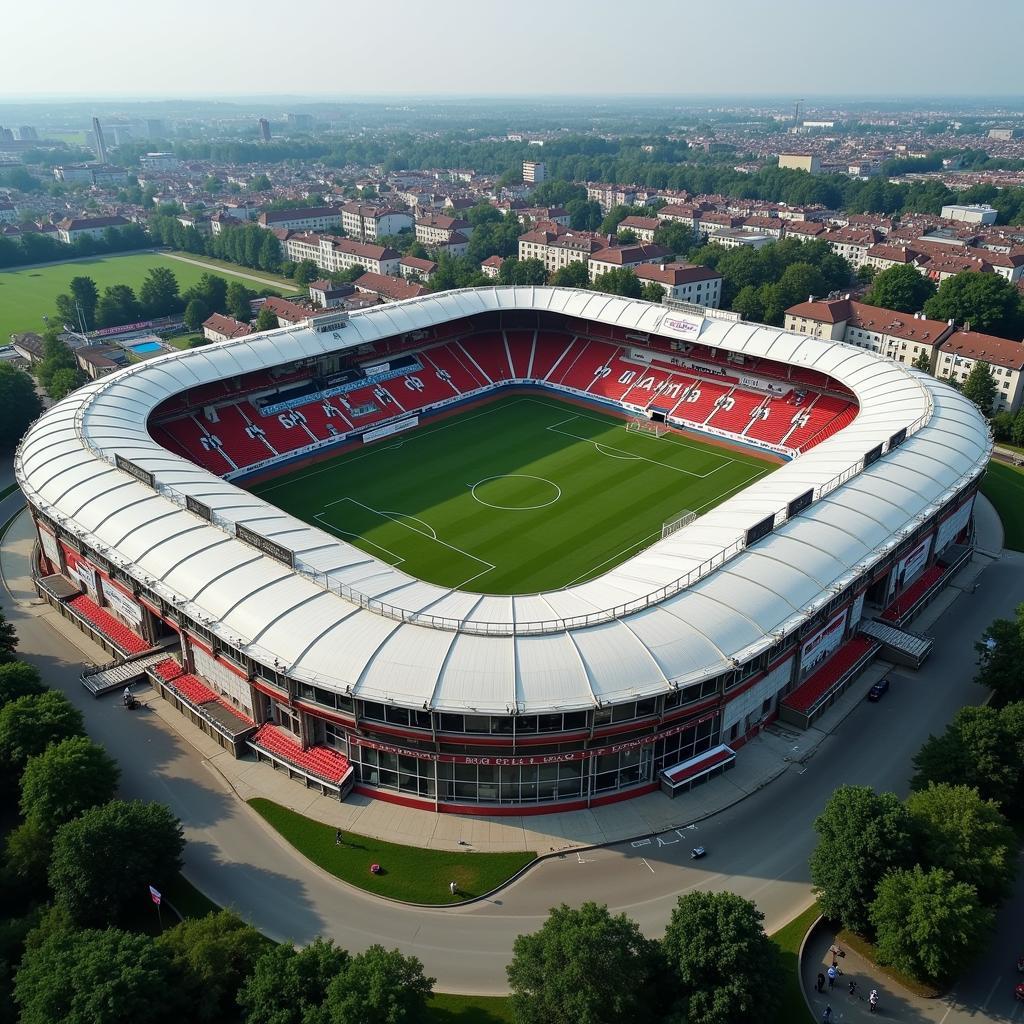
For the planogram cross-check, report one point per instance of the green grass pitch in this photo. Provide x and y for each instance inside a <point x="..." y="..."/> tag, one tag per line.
<point x="520" y="495"/>
<point x="25" y="295"/>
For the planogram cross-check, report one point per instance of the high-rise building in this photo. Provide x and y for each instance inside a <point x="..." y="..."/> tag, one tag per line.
<point x="300" y="122"/>
<point x="6" y="135"/>
<point x="155" y="129"/>
<point x="27" y="134"/>
<point x="264" y="129"/>
<point x="534" y="171"/>
<point x="101" y="148"/>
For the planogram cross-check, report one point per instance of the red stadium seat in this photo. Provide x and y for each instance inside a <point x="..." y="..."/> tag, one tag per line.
<point x="316" y="760"/>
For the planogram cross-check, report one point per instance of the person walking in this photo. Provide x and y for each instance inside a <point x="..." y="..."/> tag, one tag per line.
<point x="853" y="987"/>
<point x="453" y="888"/>
<point x="820" y="984"/>
<point x="827" y="1015"/>
<point x="873" y="1000"/>
<point x="339" y="839"/>
<point x="831" y="977"/>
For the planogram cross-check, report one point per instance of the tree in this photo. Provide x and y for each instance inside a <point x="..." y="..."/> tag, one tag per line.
<point x="987" y="301"/>
<point x="104" y="860"/>
<point x="379" y="986"/>
<point x="953" y="828"/>
<point x="8" y="640"/>
<point x="159" y="293"/>
<point x="118" y="306"/>
<point x="196" y="314"/>
<point x="923" y="362"/>
<point x="584" y="215"/>
<point x="861" y="835"/>
<point x="285" y="983"/>
<point x="96" y="977"/>
<point x="584" y="967"/>
<point x="19" y="404"/>
<point x="17" y="678"/>
<point x="56" y="356"/>
<point x="28" y="858"/>
<point x="261" y="183"/>
<point x="530" y="271"/>
<point x="676" y="237"/>
<point x="572" y="275"/>
<point x="63" y="382"/>
<point x="213" y="955"/>
<point x="238" y="298"/>
<point x="983" y="747"/>
<point x="980" y="386"/>
<point x="86" y="295"/>
<point x="1001" y="658"/>
<point x="618" y="281"/>
<point x="305" y="272"/>
<point x="901" y="287"/>
<point x="28" y="725"/>
<point x="722" y="964"/>
<point x="927" y="923"/>
<point x="266" y="319"/>
<point x="211" y="290"/>
<point x="66" y="779"/>
<point x="652" y="292"/>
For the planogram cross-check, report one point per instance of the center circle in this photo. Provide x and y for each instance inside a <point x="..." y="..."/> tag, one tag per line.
<point x="516" y="492"/>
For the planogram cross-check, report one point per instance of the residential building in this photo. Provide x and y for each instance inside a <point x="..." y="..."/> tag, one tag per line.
<point x="558" y="249"/>
<point x="29" y="346"/>
<point x="288" y="313"/>
<point x="328" y="295"/>
<point x="962" y="349"/>
<point x="159" y="162"/>
<point x="318" y="218"/>
<point x="618" y="257"/>
<point x="369" y="223"/>
<point x="804" y="230"/>
<point x="800" y="162"/>
<point x="97" y="361"/>
<point x="686" y="215"/>
<point x="414" y="267"/>
<point x="735" y="238"/>
<point x="685" y="282"/>
<point x="491" y="267"/>
<point x="389" y="289"/>
<point x="8" y="214"/>
<point x="972" y="214"/>
<point x="611" y="195"/>
<point x="90" y="174"/>
<point x="852" y="243"/>
<point x="1002" y="134"/>
<point x="902" y="337"/>
<point x="221" y="328"/>
<point x="437" y="228"/>
<point x="331" y="253"/>
<point x="642" y="227"/>
<point x="87" y="227"/>
<point x="534" y="172"/>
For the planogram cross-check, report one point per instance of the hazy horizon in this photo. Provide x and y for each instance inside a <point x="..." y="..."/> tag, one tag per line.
<point x="579" y="49"/>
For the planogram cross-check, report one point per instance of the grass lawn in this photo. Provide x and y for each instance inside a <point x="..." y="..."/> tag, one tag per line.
<point x="520" y="495"/>
<point x="451" y="1009"/>
<point x="861" y="945"/>
<point x="408" y="872"/>
<point x="1004" y="487"/>
<point x="184" y="341"/>
<point x="187" y="899"/>
<point x="788" y="939"/>
<point x="25" y="295"/>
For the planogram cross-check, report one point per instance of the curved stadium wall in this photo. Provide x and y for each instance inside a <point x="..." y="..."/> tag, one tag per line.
<point x="279" y="639"/>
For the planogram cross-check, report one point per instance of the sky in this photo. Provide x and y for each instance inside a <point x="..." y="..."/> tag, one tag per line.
<point x="893" y="49"/>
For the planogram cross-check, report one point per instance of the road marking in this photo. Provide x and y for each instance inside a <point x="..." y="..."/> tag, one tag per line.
<point x="580" y="860"/>
<point x="992" y="992"/>
<point x="640" y="842"/>
<point x="649" y="868"/>
<point x="666" y="842"/>
<point x="949" y="1010"/>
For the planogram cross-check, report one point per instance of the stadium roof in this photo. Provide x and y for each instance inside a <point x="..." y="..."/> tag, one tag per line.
<point x="688" y="607"/>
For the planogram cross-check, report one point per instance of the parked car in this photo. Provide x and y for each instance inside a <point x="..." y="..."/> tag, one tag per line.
<point x="878" y="690"/>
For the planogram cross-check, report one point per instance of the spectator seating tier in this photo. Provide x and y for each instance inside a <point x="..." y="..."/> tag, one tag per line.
<point x="320" y="761"/>
<point x="123" y="638"/>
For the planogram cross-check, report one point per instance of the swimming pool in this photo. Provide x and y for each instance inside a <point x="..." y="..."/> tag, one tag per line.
<point x="146" y="346"/>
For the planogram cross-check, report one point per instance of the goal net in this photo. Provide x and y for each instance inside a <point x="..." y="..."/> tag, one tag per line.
<point x="645" y="426"/>
<point x="670" y="526"/>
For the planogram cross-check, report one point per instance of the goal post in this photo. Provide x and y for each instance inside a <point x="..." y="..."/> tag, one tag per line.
<point x="670" y="526"/>
<point x="644" y="426"/>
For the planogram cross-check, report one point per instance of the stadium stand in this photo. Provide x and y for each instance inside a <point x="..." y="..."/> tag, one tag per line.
<point x="604" y="369"/>
<point x="123" y="638"/>
<point x="323" y="762"/>
<point x="819" y="685"/>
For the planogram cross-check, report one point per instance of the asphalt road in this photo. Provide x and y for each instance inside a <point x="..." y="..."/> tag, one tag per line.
<point x="759" y="848"/>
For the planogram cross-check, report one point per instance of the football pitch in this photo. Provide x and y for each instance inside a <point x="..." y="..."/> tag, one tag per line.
<point x="520" y="495"/>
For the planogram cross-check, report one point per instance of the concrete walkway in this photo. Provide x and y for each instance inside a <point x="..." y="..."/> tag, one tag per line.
<point x="240" y="271"/>
<point x="759" y="762"/>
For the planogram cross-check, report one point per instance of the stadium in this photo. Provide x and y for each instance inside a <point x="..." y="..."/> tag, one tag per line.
<point x="503" y="550"/>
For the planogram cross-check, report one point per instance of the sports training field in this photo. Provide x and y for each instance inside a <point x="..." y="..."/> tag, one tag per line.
<point x="520" y="495"/>
<point x="25" y="295"/>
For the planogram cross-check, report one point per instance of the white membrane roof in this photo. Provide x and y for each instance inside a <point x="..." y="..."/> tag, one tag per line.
<point x="347" y="621"/>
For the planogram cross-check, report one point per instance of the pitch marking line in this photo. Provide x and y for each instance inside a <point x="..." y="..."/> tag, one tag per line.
<point x="514" y="508"/>
<point x="348" y="533"/>
<point x="398" y="519"/>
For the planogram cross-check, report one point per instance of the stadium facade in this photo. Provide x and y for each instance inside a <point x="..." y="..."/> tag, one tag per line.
<point x="279" y="639"/>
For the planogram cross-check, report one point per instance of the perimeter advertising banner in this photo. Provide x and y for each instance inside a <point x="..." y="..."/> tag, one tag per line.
<point x="821" y="644"/>
<point x="681" y="325"/>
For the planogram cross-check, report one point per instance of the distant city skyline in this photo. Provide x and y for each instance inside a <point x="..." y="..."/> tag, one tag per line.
<point x="806" y="48"/>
